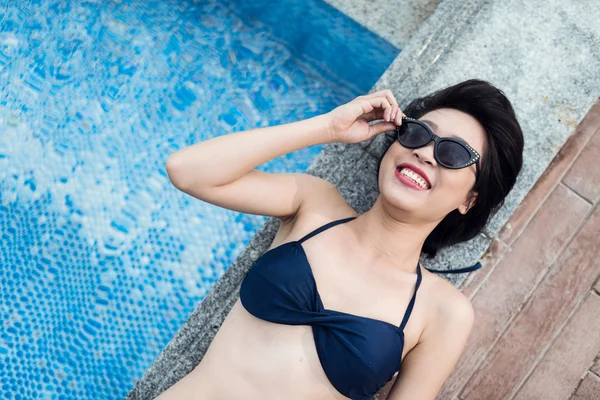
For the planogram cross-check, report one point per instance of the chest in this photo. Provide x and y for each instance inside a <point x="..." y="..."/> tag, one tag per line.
<point x="359" y="352"/>
<point x="347" y="281"/>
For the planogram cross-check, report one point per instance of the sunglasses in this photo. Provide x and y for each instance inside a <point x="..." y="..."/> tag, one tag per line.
<point x="449" y="152"/>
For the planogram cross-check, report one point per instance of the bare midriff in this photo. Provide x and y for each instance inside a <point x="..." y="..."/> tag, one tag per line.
<point x="254" y="359"/>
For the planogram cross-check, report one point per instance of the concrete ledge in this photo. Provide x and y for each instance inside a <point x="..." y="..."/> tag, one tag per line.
<point x="396" y="22"/>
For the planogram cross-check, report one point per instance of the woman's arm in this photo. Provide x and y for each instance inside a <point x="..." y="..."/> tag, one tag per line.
<point x="427" y="366"/>
<point x="221" y="170"/>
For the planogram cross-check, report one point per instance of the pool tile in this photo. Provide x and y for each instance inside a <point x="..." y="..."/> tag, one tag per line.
<point x="97" y="95"/>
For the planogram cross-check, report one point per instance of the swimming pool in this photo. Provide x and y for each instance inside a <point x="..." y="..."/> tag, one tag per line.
<point x="101" y="258"/>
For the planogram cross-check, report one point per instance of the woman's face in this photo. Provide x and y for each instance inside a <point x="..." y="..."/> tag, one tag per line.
<point x="449" y="187"/>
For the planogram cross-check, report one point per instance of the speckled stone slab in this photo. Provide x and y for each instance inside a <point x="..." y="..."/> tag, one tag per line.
<point x="395" y="21"/>
<point x="543" y="55"/>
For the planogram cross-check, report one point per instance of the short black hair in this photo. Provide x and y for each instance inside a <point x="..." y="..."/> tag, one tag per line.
<point x="500" y="162"/>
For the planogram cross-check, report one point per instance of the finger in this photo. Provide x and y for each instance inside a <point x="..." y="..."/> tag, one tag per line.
<point x="387" y="93"/>
<point x="382" y="103"/>
<point x="378" y="93"/>
<point x="392" y="100"/>
<point x="387" y="110"/>
<point x="377" y="113"/>
<point x="375" y="108"/>
<point x="390" y="97"/>
<point x="398" y="118"/>
<point x="380" y="127"/>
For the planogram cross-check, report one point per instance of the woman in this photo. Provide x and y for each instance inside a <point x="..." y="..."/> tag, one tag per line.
<point x="376" y="313"/>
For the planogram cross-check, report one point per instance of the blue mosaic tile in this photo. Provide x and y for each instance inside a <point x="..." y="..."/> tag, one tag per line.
<point x="101" y="258"/>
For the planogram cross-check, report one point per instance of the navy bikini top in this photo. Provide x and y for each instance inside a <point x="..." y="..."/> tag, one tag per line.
<point x="358" y="354"/>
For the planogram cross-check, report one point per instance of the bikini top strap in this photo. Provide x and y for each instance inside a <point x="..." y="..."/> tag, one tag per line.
<point x="473" y="267"/>
<point x="326" y="226"/>
<point x="414" y="297"/>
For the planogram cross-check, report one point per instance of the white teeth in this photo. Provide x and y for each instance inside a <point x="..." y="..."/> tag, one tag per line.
<point x="414" y="176"/>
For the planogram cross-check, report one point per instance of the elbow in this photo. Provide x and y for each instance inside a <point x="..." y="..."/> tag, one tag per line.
<point x="175" y="172"/>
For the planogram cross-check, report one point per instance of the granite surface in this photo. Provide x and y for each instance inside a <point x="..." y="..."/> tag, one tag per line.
<point x="395" y="21"/>
<point x="544" y="55"/>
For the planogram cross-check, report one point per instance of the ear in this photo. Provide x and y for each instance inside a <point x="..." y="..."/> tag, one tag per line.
<point x="468" y="203"/>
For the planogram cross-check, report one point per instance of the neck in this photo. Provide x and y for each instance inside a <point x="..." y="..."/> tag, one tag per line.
<point x="390" y="240"/>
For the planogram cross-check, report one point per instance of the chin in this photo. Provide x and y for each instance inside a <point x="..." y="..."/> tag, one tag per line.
<point x="403" y="202"/>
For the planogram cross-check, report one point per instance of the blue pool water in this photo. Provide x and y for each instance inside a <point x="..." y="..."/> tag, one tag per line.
<point x="101" y="259"/>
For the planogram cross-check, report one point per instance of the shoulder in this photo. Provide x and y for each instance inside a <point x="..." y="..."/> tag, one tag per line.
<point x="450" y="309"/>
<point x="325" y="204"/>
<point x="449" y="319"/>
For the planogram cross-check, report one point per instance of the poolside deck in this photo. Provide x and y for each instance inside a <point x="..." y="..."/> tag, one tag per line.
<point x="537" y="297"/>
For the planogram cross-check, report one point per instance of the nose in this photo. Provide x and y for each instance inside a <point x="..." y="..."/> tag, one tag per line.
<point x="425" y="153"/>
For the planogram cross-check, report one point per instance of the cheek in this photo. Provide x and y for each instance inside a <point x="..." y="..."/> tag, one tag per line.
<point x="454" y="185"/>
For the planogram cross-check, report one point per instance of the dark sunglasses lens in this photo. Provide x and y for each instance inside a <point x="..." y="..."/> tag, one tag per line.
<point x="452" y="154"/>
<point x="412" y="135"/>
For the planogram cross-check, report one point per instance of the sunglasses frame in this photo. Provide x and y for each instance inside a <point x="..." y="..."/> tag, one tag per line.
<point x="474" y="159"/>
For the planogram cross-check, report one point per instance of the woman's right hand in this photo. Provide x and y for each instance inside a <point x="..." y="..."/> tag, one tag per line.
<point x="349" y="123"/>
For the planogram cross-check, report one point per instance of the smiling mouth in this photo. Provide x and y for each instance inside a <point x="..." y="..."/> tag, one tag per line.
<point x="411" y="178"/>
